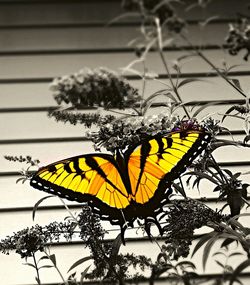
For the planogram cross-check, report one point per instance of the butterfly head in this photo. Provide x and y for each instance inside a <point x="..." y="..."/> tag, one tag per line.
<point x="187" y="125"/>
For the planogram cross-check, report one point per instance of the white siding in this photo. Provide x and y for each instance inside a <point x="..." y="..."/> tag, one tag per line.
<point x="43" y="39"/>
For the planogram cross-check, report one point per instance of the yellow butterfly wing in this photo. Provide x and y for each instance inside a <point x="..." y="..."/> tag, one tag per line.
<point x="154" y="164"/>
<point x="91" y="177"/>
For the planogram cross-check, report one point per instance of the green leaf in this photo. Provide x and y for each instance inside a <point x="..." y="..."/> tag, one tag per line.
<point x="80" y="261"/>
<point x="46" y="266"/>
<point x="202" y="241"/>
<point x="235" y="254"/>
<point x="83" y="274"/>
<point x="29" y="264"/>
<point x="43" y="257"/>
<point x="116" y="246"/>
<point x="220" y="264"/>
<point x="208" y="247"/>
<point x="186" y="264"/>
<point x="219" y="253"/>
<point x="204" y="107"/>
<point x="226" y="242"/>
<point x="52" y="257"/>
<point x="37" y="205"/>
<point x="238" y="270"/>
<point x="227" y="113"/>
<point x="189" y="80"/>
<point x="21" y="179"/>
<point x="236" y="82"/>
<point x="122" y="16"/>
<point x="180" y="190"/>
<point x="159" y="93"/>
<point x="208" y="20"/>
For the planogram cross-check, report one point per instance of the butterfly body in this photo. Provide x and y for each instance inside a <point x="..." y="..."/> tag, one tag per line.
<point x="130" y="185"/>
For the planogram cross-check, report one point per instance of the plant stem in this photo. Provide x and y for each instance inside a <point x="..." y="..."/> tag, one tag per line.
<point x="171" y="80"/>
<point x="160" y="49"/>
<point x="221" y="74"/>
<point x="120" y="280"/>
<point x="37" y="269"/>
<point x="57" y="269"/>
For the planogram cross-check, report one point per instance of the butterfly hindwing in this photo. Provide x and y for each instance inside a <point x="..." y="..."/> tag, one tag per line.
<point x="93" y="178"/>
<point x="153" y="166"/>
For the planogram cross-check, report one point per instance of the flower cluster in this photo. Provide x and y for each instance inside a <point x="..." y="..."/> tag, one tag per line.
<point x="87" y="120"/>
<point x="98" y="87"/>
<point x="108" y="263"/>
<point x="30" y="240"/>
<point x="27" y="159"/>
<point x="239" y="38"/>
<point x="121" y="134"/>
<point x="156" y="8"/>
<point x="183" y="217"/>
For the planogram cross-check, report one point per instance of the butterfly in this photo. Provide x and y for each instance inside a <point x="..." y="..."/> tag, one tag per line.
<point x="126" y="186"/>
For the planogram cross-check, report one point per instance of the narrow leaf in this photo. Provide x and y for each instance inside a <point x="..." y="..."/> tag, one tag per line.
<point x="122" y="16"/>
<point x="37" y="205"/>
<point x="80" y="261"/>
<point x="83" y="274"/>
<point x="52" y="257"/>
<point x="238" y="270"/>
<point x="220" y="264"/>
<point x="29" y="264"/>
<point x="204" y="107"/>
<point x="186" y="264"/>
<point x="46" y="266"/>
<point x="208" y="20"/>
<point x="208" y="247"/>
<point x="202" y="241"/>
<point x="43" y="257"/>
<point x="180" y="189"/>
<point x="235" y="254"/>
<point x="236" y="82"/>
<point x="189" y="80"/>
<point x="116" y="246"/>
<point x="219" y="253"/>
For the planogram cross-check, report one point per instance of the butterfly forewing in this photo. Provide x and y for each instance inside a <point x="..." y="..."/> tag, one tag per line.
<point x="82" y="178"/>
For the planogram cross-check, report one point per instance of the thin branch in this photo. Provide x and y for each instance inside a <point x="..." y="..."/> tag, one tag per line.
<point x="37" y="270"/>
<point x="57" y="269"/>
<point x="221" y="74"/>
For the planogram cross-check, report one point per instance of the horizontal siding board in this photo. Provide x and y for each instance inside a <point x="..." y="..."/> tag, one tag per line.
<point x="43" y="12"/>
<point x="34" y="125"/>
<point x="95" y="38"/>
<point x="56" y="65"/>
<point x="23" y="95"/>
<point x="33" y="13"/>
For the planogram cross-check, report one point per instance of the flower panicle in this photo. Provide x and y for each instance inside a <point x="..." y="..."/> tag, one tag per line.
<point x="182" y="218"/>
<point x="87" y="120"/>
<point x="94" y="87"/>
<point x="30" y="240"/>
<point x="120" y="134"/>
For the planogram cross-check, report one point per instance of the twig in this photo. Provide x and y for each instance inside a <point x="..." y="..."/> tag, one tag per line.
<point x="37" y="269"/>
<point x="221" y="74"/>
<point x="166" y="67"/>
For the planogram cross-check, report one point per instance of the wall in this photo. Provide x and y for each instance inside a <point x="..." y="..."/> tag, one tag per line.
<point x="40" y="40"/>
